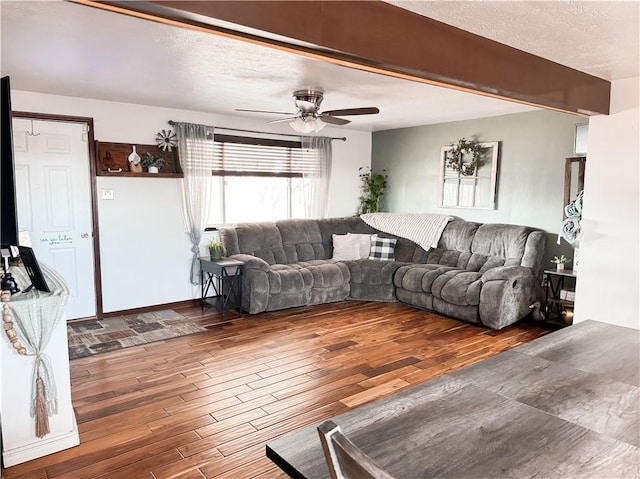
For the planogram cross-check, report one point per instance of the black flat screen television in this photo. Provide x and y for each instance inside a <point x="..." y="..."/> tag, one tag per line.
<point x="8" y="206"/>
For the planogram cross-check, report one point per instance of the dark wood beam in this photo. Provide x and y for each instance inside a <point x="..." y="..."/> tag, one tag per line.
<point x="382" y="38"/>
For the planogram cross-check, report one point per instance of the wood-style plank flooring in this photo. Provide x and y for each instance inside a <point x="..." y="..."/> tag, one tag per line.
<point x="205" y="405"/>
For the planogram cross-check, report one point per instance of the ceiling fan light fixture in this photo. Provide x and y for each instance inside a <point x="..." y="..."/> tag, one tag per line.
<point x="306" y="125"/>
<point x="308" y="118"/>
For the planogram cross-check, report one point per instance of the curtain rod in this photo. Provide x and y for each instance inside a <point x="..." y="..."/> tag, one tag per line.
<point x="343" y="138"/>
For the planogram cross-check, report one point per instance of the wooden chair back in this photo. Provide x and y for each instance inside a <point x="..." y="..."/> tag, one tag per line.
<point x="344" y="459"/>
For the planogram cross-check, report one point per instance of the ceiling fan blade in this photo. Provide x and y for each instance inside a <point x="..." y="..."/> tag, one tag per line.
<point x="371" y="110"/>
<point x="333" y="120"/>
<point x="280" y="120"/>
<point x="271" y="112"/>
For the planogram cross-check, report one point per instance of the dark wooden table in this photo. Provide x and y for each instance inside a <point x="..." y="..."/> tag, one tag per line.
<point x="566" y="405"/>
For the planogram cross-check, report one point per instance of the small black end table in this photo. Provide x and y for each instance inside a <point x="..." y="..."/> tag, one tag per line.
<point x="224" y="277"/>
<point x="555" y="305"/>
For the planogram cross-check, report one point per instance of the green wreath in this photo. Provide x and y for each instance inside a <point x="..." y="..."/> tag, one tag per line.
<point x="456" y="154"/>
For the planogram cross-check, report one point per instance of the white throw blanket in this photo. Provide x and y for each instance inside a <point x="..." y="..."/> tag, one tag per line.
<point x="423" y="229"/>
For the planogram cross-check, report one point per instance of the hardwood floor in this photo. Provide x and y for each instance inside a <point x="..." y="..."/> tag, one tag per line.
<point x="205" y="405"/>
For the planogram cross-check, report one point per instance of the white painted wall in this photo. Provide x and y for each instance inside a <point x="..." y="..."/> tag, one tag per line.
<point x="145" y="253"/>
<point x="608" y="287"/>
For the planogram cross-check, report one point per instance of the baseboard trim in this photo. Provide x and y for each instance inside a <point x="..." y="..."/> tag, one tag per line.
<point x="157" y="307"/>
<point x="41" y="447"/>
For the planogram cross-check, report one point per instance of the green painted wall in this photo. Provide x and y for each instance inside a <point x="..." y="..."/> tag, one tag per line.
<point x="530" y="183"/>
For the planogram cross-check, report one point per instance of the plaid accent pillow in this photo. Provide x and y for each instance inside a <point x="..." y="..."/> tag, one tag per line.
<point x="382" y="249"/>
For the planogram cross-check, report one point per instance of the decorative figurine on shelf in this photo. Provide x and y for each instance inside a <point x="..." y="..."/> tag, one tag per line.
<point x="134" y="161"/>
<point x="152" y="163"/>
<point x="107" y="161"/>
<point x="560" y="261"/>
<point x="166" y="139"/>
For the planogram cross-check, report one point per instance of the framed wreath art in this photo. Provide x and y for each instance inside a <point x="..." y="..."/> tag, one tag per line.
<point x="462" y="151"/>
<point x="468" y="174"/>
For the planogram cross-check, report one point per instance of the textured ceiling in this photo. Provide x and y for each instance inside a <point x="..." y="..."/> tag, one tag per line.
<point x="601" y="38"/>
<point x="67" y="49"/>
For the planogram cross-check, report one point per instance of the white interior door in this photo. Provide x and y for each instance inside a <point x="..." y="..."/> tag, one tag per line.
<point x="54" y="203"/>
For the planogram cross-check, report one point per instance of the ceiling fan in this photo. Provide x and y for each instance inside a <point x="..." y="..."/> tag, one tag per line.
<point x="308" y="118"/>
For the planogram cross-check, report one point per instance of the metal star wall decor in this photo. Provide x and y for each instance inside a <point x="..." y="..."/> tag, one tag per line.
<point x="166" y="139"/>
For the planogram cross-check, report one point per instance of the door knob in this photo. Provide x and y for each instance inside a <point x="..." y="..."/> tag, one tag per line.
<point x="84" y="235"/>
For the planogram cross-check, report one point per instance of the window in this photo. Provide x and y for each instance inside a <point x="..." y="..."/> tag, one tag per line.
<point x="476" y="190"/>
<point x="258" y="179"/>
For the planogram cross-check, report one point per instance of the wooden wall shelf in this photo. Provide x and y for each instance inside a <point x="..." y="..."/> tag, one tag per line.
<point x="129" y="174"/>
<point x="111" y="157"/>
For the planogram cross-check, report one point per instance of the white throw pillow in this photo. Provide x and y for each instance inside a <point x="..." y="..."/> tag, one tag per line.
<point x="364" y="243"/>
<point x="345" y="248"/>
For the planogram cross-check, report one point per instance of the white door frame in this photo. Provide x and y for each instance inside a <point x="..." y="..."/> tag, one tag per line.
<point x="92" y="182"/>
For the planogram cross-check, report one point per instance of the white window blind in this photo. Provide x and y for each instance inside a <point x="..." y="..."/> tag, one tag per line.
<point x="255" y="179"/>
<point x="245" y="156"/>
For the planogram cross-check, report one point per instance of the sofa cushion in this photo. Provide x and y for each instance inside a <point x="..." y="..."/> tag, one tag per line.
<point x="330" y="226"/>
<point x="372" y="280"/>
<point x="451" y="258"/>
<point x="373" y="272"/>
<point x="453" y="285"/>
<point x="364" y="243"/>
<point x="301" y="240"/>
<point x="502" y="241"/>
<point x="330" y="280"/>
<point x="289" y="279"/>
<point x="461" y="288"/>
<point x="458" y="236"/>
<point x="257" y="239"/>
<point x="382" y="249"/>
<point x="325" y="273"/>
<point x="345" y="248"/>
<point x="418" y="278"/>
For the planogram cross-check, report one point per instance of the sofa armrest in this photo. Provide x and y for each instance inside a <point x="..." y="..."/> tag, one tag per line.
<point x="507" y="294"/>
<point x="506" y="273"/>
<point x="251" y="262"/>
<point x="255" y="283"/>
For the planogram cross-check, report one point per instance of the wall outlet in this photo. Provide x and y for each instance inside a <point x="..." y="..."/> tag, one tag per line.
<point x="107" y="193"/>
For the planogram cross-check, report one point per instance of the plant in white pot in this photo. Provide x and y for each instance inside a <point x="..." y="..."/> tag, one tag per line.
<point x="560" y="261"/>
<point x="152" y="163"/>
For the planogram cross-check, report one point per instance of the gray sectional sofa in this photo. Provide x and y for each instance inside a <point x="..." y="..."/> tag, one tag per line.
<point x="481" y="273"/>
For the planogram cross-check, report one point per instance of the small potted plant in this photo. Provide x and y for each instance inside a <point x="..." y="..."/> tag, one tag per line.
<point x="560" y="261"/>
<point x="152" y="163"/>
<point x="216" y="249"/>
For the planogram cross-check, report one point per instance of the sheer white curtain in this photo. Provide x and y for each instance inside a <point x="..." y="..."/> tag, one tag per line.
<point x="318" y="182"/>
<point x="195" y="150"/>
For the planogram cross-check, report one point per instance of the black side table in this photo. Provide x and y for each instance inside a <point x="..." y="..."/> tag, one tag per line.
<point x="224" y="277"/>
<point x="554" y="282"/>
